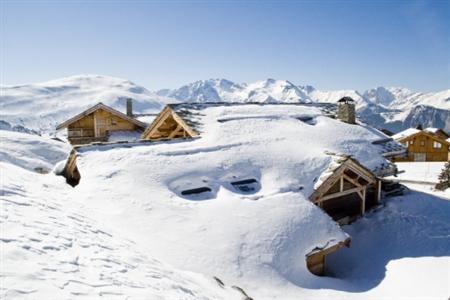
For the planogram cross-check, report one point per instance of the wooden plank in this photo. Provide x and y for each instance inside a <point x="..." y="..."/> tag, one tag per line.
<point x="378" y="191"/>
<point x="95" y="125"/>
<point x="355" y="182"/>
<point x="339" y="194"/>
<point x="341" y="188"/>
<point x="363" y="202"/>
<point x="176" y="131"/>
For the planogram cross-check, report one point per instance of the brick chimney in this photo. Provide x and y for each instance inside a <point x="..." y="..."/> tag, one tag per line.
<point x="346" y="110"/>
<point x="129" y="107"/>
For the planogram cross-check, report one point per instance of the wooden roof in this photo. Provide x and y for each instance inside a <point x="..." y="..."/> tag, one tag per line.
<point x="346" y="162"/>
<point x="104" y="107"/>
<point x="437" y="137"/>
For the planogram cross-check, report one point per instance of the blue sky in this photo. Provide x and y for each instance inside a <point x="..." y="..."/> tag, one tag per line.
<point x="165" y="44"/>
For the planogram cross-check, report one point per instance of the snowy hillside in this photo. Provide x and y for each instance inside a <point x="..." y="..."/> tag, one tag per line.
<point x="54" y="101"/>
<point x="51" y="249"/>
<point x="41" y="106"/>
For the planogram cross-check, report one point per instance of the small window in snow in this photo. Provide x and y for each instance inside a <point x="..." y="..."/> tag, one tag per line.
<point x="437" y="145"/>
<point x="246" y="185"/>
<point x="196" y="191"/>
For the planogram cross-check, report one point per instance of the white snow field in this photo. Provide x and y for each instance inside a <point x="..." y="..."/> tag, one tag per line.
<point x="130" y="231"/>
<point x="51" y="249"/>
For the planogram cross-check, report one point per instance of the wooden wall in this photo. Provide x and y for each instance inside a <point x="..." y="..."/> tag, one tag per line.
<point x="96" y="125"/>
<point x="429" y="152"/>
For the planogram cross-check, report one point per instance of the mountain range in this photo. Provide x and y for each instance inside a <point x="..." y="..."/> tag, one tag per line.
<point x="41" y="106"/>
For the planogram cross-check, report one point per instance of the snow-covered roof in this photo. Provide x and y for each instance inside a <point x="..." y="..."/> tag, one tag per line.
<point x="432" y="129"/>
<point x="405" y="133"/>
<point x="257" y="165"/>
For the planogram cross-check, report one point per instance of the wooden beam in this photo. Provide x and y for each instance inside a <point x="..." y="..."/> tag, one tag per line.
<point x="363" y="201"/>
<point x="339" y="194"/>
<point x="378" y="191"/>
<point x="341" y="183"/>
<point x="176" y="131"/>
<point x="95" y="124"/>
<point x="355" y="182"/>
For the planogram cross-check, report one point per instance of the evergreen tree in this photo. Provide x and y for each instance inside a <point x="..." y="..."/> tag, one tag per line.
<point x="444" y="178"/>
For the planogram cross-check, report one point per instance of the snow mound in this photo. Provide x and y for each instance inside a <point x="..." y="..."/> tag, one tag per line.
<point x="32" y="152"/>
<point x="51" y="249"/>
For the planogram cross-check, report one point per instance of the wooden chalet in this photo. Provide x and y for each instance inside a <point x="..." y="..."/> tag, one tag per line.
<point x="429" y="144"/>
<point x="96" y="123"/>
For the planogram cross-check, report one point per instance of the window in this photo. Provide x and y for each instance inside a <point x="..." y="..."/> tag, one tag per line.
<point x="411" y="142"/>
<point x="246" y="185"/>
<point x="422" y="143"/>
<point x="113" y="121"/>
<point x="196" y="191"/>
<point x="437" y="145"/>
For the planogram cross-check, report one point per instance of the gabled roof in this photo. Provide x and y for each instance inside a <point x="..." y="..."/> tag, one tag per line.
<point x="431" y="133"/>
<point x="339" y="164"/>
<point x="104" y="107"/>
<point x="438" y="131"/>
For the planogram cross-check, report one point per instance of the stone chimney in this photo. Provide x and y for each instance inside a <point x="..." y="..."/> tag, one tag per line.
<point x="346" y="110"/>
<point x="129" y="107"/>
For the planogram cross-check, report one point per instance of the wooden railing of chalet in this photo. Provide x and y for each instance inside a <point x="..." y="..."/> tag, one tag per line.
<point x="80" y="132"/>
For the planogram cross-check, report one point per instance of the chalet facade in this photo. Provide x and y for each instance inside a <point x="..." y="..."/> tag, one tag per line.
<point x="429" y="144"/>
<point x="97" y="123"/>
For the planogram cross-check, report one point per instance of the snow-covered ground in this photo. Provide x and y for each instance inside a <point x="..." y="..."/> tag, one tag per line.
<point x="420" y="171"/>
<point x="51" y="249"/>
<point x="127" y="231"/>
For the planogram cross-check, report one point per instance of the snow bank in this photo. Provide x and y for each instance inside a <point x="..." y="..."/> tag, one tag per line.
<point x="51" y="249"/>
<point x="31" y="152"/>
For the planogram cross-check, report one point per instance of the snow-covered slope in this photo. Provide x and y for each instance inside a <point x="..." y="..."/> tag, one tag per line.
<point x="258" y="238"/>
<point x="127" y="232"/>
<point x="51" y="249"/>
<point x="43" y="105"/>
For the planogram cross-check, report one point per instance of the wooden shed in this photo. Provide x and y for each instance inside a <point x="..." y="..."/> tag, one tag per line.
<point x="429" y="144"/>
<point x="348" y="192"/>
<point x="96" y="123"/>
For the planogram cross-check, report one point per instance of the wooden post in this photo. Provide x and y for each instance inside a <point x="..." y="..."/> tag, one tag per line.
<point x="378" y="191"/>
<point x="363" y="201"/>
<point x="95" y="124"/>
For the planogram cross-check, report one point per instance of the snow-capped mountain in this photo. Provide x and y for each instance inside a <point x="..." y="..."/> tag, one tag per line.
<point x="49" y="103"/>
<point x="217" y="90"/>
<point x="393" y="108"/>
